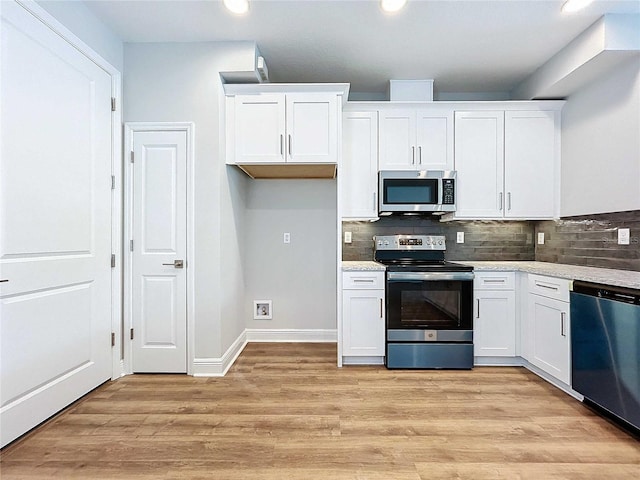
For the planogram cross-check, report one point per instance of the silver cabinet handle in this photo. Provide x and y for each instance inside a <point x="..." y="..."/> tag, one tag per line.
<point x="290" y="142"/>
<point x="509" y="201"/>
<point x="495" y="280"/>
<point x="374" y="201"/>
<point x="420" y="155"/>
<point x="281" y="145"/>
<point x="5" y="280"/>
<point x="363" y="280"/>
<point x="413" y="155"/>
<point x="176" y="264"/>
<point x="380" y="308"/>
<point x="562" y="320"/>
<point x="500" y="201"/>
<point x="478" y="309"/>
<point x="546" y="286"/>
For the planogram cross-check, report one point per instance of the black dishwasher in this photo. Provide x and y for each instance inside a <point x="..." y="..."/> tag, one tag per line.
<point x="605" y="349"/>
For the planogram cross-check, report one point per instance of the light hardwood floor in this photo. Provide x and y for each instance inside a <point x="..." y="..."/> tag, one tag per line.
<point x="285" y="411"/>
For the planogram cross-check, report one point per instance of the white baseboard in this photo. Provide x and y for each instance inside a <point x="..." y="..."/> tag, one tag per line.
<point x="218" y="367"/>
<point x="552" y="380"/>
<point x="316" y="335"/>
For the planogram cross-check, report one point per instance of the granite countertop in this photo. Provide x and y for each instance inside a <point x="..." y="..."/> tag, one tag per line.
<point x="352" y="266"/>
<point x="608" y="276"/>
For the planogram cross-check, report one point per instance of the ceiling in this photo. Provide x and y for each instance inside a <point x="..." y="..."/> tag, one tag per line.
<point x="466" y="46"/>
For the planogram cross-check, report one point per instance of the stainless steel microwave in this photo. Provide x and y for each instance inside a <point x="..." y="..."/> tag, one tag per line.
<point x="411" y="191"/>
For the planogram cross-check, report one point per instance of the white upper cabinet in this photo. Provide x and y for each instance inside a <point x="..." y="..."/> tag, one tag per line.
<point x="259" y="128"/>
<point x="479" y="146"/>
<point x="277" y="128"/>
<point x="530" y="164"/>
<point x="270" y="125"/>
<point x="359" y="169"/>
<point x="312" y="128"/>
<point x="506" y="164"/>
<point x="416" y="139"/>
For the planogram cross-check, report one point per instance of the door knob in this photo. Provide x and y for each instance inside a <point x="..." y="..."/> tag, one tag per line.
<point x="176" y="264"/>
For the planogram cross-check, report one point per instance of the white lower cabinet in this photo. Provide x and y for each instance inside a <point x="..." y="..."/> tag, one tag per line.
<point x="494" y="322"/>
<point x="363" y="315"/>
<point x="548" y="324"/>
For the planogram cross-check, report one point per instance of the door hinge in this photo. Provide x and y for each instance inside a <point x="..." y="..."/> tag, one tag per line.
<point x="113" y="260"/>
<point x="113" y="339"/>
<point x="131" y="156"/>
<point x="113" y="104"/>
<point x="131" y="334"/>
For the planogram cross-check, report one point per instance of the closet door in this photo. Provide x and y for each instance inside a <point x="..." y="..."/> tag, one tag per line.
<point x="55" y="223"/>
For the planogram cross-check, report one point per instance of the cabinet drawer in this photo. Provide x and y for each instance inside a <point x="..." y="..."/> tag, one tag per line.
<point x="363" y="280"/>
<point x="550" y="287"/>
<point x="494" y="281"/>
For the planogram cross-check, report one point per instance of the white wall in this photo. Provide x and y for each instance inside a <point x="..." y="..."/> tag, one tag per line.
<point x="300" y="277"/>
<point x="601" y="145"/>
<point x="88" y="28"/>
<point x="180" y="82"/>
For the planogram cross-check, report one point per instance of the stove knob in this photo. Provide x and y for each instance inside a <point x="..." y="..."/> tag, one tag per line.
<point x="428" y="241"/>
<point x="440" y="242"/>
<point x="386" y="242"/>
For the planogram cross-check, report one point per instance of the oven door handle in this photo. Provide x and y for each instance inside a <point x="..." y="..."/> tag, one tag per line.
<point x="430" y="276"/>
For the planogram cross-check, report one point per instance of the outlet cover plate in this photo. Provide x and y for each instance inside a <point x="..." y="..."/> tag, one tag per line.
<point x="460" y="237"/>
<point x="623" y="236"/>
<point x="347" y="237"/>
<point x="540" y="238"/>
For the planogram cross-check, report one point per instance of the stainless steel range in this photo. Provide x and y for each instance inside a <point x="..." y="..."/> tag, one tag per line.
<point x="429" y="304"/>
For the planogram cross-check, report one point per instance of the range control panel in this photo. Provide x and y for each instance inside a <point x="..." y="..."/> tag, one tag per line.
<point x="410" y="242"/>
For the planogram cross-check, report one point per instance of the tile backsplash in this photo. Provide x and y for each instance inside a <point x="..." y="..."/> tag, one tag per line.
<point x="591" y="240"/>
<point x="483" y="240"/>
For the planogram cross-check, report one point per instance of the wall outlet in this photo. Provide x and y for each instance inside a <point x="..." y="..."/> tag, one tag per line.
<point x="624" y="235"/>
<point x="460" y="237"/>
<point x="286" y="238"/>
<point x="540" y="238"/>
<point x="347" y="237"/>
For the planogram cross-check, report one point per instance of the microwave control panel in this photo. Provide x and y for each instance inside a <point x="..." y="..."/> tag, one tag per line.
<point x="448" y="191"/>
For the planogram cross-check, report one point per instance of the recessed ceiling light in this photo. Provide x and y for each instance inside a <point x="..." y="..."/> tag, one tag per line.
<point x="239" y="7"/>
<point x="571" y="6"/>
<point x="392" y="6"/>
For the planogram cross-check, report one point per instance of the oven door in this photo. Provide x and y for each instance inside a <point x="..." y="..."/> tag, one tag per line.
<point x="419" y="302"/>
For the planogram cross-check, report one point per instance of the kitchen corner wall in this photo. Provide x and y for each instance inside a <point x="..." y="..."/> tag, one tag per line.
<point x="484" y="240"/>
<point x="591" y="240"/>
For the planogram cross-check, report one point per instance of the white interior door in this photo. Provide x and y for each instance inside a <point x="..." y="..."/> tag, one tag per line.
<point x="55" y="223"/>
<point x="158" y="258"/>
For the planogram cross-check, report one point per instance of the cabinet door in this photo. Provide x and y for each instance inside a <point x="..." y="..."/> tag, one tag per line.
<point x="363" y="323"/>
<point x="398" y="139"/>
<point x="259" y="128"/>
<point x="479" y="156"/>
<point x="434" y="130"/>
<point x="548" y="325"/>
<point x="529" y="164"/>
<point x="312" y="128"/>
<point x="359" y="170"/>
<point x="494" y="328"/>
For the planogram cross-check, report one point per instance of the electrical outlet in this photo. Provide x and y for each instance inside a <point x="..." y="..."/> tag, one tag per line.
<point x="460" y="237"/>
<point x="286" y="238"/>
<point x="347" y="237"/>
<point x="623" y="236"/>
<point x="540" y="238"/>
